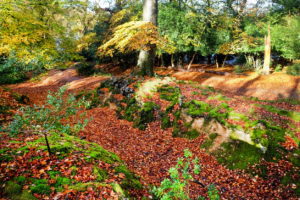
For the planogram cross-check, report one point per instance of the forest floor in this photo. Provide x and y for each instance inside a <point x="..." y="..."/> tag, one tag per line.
<point x="150" y="153"/>
<point x="277" y="85"/>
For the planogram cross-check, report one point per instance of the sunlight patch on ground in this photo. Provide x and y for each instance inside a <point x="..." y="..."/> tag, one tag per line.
<point x="150" y="86"/>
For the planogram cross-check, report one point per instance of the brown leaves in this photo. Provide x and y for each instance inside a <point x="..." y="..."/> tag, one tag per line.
<point x="8" y="105"/>
<point x="289" y="143"/>
<point x="150" y="154"/>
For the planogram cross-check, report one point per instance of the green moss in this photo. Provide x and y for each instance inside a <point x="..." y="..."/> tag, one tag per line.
<point x="171" y="106"/>
<point x="35" y="158"/>
<point x="130" y="181"/>
<point x="117" y="188"/>
<point x="165" y="120"/>
<point x="39" y="181"/>
<point x="20" y="180"/>
<point x="100" y="173"/>
<point x="60" y="182"/>
<point x="123" y="169"/>
<point x="286" y="100"/>
<point x="259" y="136"/>
<point x="192" y="134"/>
<point x="209" y="141"/>
<point x="145" y="116"/>
<point x="219" y="97"/>
<point x="207" y="89"/>
<point x="74" y="170"/>
<point x="66" y="144"/>
<point x="41" y="189"/>
<point x="272" y="136"/>
<point x="291" y="114"/>
<point x="288" y="179"/>
<point x="176" y="129"/>
<point x="195" y="93"/>
<point x="23" y="150"/>
<point x="131" y="109"/>
<point x="54" y="174"/>
<point x="25" y="195"/>
<point x="5" y="155"/>
<point x="201" y="109"/>
<point x="192" y="82"/>
<point x="82" y="187"/>
<point x="169" y="93"/>
<point x="237" y="116"/>
<point x="238" y="154"/>
<point x="197" y="108"/>
<point x="181" y="82"/>
<point x="12" y="188"/>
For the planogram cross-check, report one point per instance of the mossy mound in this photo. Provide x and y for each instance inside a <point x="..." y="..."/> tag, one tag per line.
<point x="75" y="155"/>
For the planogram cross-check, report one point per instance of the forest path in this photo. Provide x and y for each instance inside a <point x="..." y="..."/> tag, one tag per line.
<point x="152" y="152"/>
<point x="274" y="86"/>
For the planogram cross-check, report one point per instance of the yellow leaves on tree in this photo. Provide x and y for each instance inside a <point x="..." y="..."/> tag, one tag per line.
<point x="240" y="40"/>
<point x="85" y="41"/>
<point x="134" y="35"/>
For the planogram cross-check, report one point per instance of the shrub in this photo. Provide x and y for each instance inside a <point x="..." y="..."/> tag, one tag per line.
<point x="248" y="63"/>
<point x="11" y="70"/>
<point x="177" y="186"/>
<point x="278" y="68"/>
<point x="240" y="69"/>
<point x="85" y="69"/>
<point x="294" y="69"/>
<point x="51" y="117"/>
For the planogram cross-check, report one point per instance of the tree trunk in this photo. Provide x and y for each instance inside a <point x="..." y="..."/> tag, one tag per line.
<point x="172" y="61"/>
<point x="180" y="61"/>
<point x="191" y="62"/>
<point x="217" y="62"/>
<point x="47" y="143"/>
<point x="224" y="61"/>
<point x="267" y="59"/>
<point x="162" y="60"/>
<point x="146" y="58"/>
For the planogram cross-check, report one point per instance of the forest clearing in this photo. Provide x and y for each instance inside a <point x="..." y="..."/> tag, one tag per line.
<point x="149" y="99"/>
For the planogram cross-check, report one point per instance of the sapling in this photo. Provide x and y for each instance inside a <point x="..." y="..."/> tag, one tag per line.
<point x="57" y="115"/>
<point x="177" y="187"/>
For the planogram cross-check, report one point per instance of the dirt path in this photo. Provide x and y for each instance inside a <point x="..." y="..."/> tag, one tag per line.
<point x="270" y="87"/>
<point x="152" y="152"/>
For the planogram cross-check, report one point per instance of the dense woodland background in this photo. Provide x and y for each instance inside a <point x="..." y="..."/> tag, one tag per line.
<point x="41" y="35"/>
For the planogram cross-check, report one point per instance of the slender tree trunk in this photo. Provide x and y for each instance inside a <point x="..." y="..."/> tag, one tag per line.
<point x="223" y="64"/>
<point x="217" y="62"/>
<point x="47" y="143"/>
<point x="180" y="61"/>
<point x="146" y="58"/>
<point x="172" y="61"/>
<point x="162" y="60"/>
<point x="191" y="62"/>
<point x="267" y="59"/>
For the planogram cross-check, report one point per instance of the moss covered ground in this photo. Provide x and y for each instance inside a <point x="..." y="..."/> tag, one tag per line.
<point x="169" y="100"/>
<point x="74" y="168"/>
